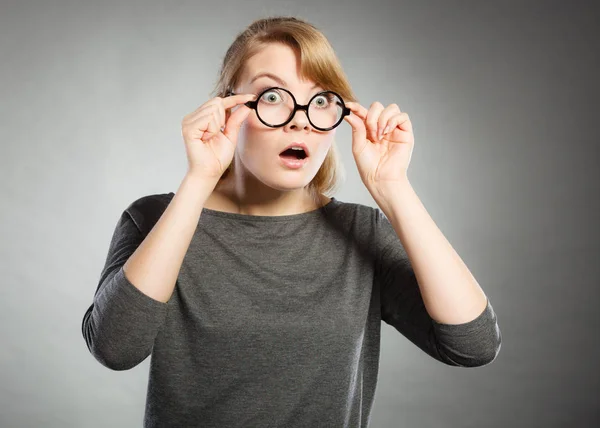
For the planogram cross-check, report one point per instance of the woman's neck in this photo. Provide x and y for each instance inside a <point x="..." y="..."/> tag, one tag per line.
<point x="231" y="195"/>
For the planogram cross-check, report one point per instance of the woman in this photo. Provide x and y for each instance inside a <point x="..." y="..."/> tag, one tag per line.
<point x="259" y="297"/>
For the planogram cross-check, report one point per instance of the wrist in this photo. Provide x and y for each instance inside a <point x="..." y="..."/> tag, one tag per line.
<point x="199" y="184"/>
<point x="388" y="191"/>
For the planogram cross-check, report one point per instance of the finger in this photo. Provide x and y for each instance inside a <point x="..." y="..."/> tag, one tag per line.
<point x="209" y="104"/>
<point x="203" y="120"/>
<point x="372" y="118"/>
<point x="190" y="116"/>
<point x="197" y="128"/>
<point x="359" y="131"/>
<point x="232" y="128"/>
<point x="234" y="100"/>
<point x="400" y="120"/>
<point x="205" y="109"/>
<point x="357" y="109"/>
<point x="390" y="126"/>
<point x="201" y="128"/>
<point x="220" y="115"/>
<point x="212" y="128"/>
<point x="404" y="122"/>
<point x="383" y="125"/>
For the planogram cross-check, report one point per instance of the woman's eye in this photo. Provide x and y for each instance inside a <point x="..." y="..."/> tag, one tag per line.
<point x="321" y="101"/>
<point x="271" y="97"/>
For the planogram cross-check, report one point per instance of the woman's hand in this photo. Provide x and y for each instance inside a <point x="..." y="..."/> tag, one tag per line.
<point x="382" y="144"/>
<point x="210" y="134"/>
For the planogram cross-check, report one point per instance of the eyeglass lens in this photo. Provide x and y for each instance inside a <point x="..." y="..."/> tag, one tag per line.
<point x="276" y="106"/>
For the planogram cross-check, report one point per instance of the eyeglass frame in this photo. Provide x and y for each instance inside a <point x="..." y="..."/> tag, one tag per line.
<point x="254" y="106"/>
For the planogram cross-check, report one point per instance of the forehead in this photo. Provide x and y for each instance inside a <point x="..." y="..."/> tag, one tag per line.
<point x="278" y="60"/>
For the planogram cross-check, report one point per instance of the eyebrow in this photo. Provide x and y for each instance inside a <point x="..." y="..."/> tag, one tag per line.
<point x="277" y="79"/>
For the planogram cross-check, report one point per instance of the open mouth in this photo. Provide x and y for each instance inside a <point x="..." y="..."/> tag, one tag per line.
<point x="293" y="154"/>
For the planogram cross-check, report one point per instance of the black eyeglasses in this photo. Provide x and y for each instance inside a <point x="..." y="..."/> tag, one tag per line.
<point x="275" y="107"/>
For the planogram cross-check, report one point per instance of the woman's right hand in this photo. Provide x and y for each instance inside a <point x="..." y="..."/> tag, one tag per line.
<point x="210" y="134"/>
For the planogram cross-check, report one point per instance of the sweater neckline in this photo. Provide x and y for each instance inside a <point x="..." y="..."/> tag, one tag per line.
<point x="270" y="218"/>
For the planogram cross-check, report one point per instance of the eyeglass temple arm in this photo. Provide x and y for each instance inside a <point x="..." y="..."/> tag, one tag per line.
<point x="345" y="110"/>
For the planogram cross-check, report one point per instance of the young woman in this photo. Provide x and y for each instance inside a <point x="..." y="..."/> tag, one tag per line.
<point x="259" y="297"/>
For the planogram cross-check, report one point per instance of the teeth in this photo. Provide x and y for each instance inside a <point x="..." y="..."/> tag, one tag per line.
<point x="296" y="148"/>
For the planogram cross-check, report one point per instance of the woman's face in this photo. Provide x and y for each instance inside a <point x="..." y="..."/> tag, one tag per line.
<point x="259" y="146"/>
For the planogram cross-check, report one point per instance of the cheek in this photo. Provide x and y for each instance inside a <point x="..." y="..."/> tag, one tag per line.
<point x="251" y="121"/>
<point x="252" y="136"/>
<point x="324" y="145"/>
<point x="251" y="128"/>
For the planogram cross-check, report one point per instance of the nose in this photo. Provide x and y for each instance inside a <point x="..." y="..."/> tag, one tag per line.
<point x="298" y="122"/>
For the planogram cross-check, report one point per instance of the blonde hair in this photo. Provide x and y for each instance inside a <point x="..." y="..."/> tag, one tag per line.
<point x="318" y="63"/>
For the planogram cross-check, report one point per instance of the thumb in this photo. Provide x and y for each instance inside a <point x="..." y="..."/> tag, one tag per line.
<point x="232" y="127"/>
<point x="359" y="130"/>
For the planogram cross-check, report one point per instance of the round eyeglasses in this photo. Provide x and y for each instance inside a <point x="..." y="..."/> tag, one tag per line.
<point x="275" y="107"/>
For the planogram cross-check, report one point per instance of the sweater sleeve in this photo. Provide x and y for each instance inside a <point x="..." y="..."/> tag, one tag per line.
<point x="471" y="344"/>
<point x="121" y="324"/>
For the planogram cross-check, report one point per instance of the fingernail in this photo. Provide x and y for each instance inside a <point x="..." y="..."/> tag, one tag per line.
<point x="386" y="130"/>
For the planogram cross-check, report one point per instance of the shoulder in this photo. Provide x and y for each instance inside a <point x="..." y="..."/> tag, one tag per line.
<point x="355" y="218"/>
<point x="355" y="213"/>
<point x="363" y="220"/>
<point x="146" y="210"/>
<point x="358" y="226"/>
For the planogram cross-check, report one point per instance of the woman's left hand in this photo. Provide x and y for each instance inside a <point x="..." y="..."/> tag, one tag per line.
<point x="382" y="144"/>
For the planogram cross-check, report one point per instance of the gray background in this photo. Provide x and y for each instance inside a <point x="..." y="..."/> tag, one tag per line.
<point x="504" y="101"/>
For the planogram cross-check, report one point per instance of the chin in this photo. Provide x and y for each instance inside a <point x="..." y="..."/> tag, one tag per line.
<point x="285" y="180"/>
<point x="287" y="184"/>
<point x="281" y="178"/>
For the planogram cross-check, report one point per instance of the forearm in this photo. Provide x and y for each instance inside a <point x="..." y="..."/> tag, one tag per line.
<point x="450" y="292"/>
<point x="154" y="266"/>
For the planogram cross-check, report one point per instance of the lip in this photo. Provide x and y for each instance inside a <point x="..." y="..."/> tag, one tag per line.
<point x="293" y="163"/>
<point x="304" y="147"/>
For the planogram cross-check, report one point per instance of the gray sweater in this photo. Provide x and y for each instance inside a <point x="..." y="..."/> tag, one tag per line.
<point x="274" y="321"/>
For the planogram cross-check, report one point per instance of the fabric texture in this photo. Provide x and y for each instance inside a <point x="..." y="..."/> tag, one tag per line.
<point x="274" y="320"/>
